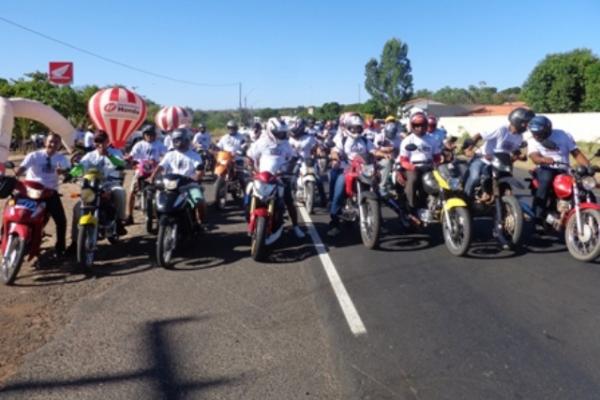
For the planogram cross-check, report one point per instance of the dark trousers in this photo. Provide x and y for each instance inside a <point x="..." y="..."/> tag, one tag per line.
<point x="57" y="212"/>
<point x="288" y="199"/>
<point x="415" y="195"/>
<point x="545" y="177"/>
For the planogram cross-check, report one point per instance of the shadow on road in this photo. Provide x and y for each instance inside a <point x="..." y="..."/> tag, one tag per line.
<point x="160" y="375"/>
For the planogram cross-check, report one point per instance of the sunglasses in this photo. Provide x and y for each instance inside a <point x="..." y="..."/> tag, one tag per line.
<point x="419" y="125"/>
<point x="99" y="141"/>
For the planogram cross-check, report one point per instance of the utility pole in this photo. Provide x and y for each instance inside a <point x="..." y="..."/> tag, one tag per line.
<point x="240" y="98"/>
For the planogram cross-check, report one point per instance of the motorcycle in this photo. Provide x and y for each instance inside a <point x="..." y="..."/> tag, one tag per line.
<point x="306" y="183"/>
<point x="24" y="219"/>
<point x="266" y="215"/>
<point x="176" y="216"/>
<point x="209" y="160"/>
<point x="446" y="204"/>
<point x="145" y="192"/>
<point x="572" y="206"/>
<point x="493" y="194"/>
<point x="362" y="200"/>
<point x="98" y="216"/>
<point x="230" y="179"/>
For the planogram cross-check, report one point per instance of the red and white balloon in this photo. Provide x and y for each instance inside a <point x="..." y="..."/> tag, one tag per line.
<point x="173" y="117"/>
<point x="118" y="112"/>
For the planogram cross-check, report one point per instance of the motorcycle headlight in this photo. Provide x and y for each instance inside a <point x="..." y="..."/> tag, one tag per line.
<point x="170" y="184"/>
<point x="87" y="196"/>
<point x="263" y="190"/>
<point x="368" y="171"/>
<point x="588" y="183"/>
<point x="34" y="194"/>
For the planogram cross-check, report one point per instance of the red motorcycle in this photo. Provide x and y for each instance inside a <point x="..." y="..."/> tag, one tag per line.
<point x="362" y="200"/>
<point x="572" y="206"/>
<point x="24" y="218"/>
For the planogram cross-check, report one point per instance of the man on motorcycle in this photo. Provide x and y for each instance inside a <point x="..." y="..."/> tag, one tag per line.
<point x="311" y="128"/>
<point x="346" y="148"/>
<point x="275" y="143"/>
<point x="147" y="149"/>
<point x="438" y="134"/>
<point x="44" y="166"/>
<point x="256" y="132"/>
<point x="426" y="155"/>
<point x="233" y="141"/>
<point x="506" y="139"/>
<point x="184" y="161"/>
<point x="305" y="146"/>
<point x="202" y="139"/>
<point x="545" y="159"/>
<point x="387" y="142"/>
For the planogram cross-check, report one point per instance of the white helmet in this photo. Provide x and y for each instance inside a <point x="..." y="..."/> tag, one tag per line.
<point x="277" y="129"/>
<point x="354" y="126"/>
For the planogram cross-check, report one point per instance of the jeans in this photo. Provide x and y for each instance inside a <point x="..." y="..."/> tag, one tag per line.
<point x="339" y="194"/>
<point x="57" y="212"/>
<point x="386" y="168"/>
<point x="476" y="169"/>
<point x="545" y="177"/>
<point x="334" y="173"/>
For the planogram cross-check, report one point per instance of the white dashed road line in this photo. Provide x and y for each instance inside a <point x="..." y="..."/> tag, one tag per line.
<point x="354" y="321"/>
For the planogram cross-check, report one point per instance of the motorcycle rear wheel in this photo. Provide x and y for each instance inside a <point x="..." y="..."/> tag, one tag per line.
<point x="258" y="246"/>
<point x="166" y="242"/>
<point x="586" y="250"/>
<point x="149" y="215"/>
<point x="11" y="263"/>
<point x="370" y="228"/>
<point x="86" y="243"/>
<point x="457" y="240"/>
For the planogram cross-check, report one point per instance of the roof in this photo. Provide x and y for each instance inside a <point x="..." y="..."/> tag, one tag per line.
<point x="493" y="109"/>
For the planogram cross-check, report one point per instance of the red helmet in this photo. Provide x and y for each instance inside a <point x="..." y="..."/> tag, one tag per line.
<point x="418" y="119"/>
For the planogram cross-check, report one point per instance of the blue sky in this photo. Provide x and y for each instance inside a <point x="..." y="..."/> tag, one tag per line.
<point x="287" y="54"/>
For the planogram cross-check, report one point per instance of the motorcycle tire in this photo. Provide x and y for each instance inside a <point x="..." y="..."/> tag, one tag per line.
<point x="309" y="197"/>
<point x="591" y="252"/>
<point x="149" y="215"/>
<point x="15" y="255"/>
<point x="220" y="193"/>
<point x="165" y="248"/>
<point x="86" y="242"/>
<point x="515" y="233"/>
<point x="370" y="234"/>
<point x="461" y="217"/>
<point x="258" y="247"/>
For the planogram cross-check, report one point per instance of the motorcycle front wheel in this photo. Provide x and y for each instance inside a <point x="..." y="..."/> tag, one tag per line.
<point x="13" y="259"/>
<point x="309" y="196"/>
<point x="165" y="245"/>
<point x="512" y="222"/>
<point x="587" y="246"/>
<point x="258" y="246"/>
<point x="220" y="193"/>
<point x="370" y="226"/>
<point x="86" y="246"/>
<point x="457" y="236"/>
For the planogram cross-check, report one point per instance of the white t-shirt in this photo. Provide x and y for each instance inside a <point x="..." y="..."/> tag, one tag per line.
<point x="168" y="142"/>
<point x="202" y="139"/>
<point x="41" y="168"/>
<point x="93" y="159"/>
<point x="382" y="141"/>
<point x="304" y="145"/>
<point x="563" y="140"/>
<point x="88" y="139"/>
<point x="500" y="141"/>
<point x="427" y="148"/>
<point x="232" y="143"/>
<point x="182" y="163"/>
<point x="352" y="147"/>
<point x="267" y="147"/>
<point x="144" y="150"/>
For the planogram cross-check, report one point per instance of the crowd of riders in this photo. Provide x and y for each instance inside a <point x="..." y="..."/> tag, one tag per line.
<point x="407" y="154"/>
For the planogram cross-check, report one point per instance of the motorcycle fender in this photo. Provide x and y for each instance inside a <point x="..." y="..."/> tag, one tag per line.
<point x="220" y="169"/>
<point x="367" y="195"/>
<point x="454" y="202"/>
<point x="512" y="182"/>
<point x="258" y="212"/>
<point x="23" y="231"/>
<point x="88" y="219"/>
<point x="166" y="220"/>
<point x="582" y="206"/>
<point x="308" y="178"/>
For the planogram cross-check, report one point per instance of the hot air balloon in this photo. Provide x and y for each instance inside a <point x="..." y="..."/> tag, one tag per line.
<point x="118" y="112"/>
<point x="169" y="118"/>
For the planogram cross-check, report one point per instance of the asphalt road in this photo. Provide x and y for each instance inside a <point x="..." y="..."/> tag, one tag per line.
<point x="493" y="325"/>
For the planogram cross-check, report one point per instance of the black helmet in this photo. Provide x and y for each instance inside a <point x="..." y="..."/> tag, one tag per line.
<point x="298" y="128"/>
<point x="540" y="128"/>
<point x="520" y="117"/>
<point x="180" y="138"/>
<point x="390" y="130"/>
<point x="149" y="129"/>
<point x="231" y="124"/>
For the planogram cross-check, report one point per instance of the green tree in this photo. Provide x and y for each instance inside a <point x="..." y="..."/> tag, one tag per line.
<point x="372" y="107"/>
<point x="390" y="81"/>
<point x="591" y="100"/>
<point x="449" y="95"/>
<point x="330" y="110"/>
<point x="558" y="82"/>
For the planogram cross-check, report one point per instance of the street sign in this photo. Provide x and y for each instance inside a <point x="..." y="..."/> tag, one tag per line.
<point x="60" y="72"/>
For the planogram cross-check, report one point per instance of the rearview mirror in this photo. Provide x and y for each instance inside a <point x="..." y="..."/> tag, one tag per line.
<point x="411" y="147"/>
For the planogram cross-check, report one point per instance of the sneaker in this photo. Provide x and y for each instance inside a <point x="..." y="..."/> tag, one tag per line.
<point x="129" y="220"/>
<point x="334" y="229"/>
<point x="298" y="232"/>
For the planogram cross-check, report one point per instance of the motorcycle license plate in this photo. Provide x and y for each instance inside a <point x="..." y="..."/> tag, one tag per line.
<point x="28" y="204"/>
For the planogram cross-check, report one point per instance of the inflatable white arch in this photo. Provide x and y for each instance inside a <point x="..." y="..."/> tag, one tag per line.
<point x="24" y="108"/>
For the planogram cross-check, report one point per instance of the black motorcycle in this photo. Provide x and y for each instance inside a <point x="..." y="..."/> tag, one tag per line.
<point x="176" y="216"/>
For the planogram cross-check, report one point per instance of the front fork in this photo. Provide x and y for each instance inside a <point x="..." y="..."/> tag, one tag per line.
<point x="577" y="210"/>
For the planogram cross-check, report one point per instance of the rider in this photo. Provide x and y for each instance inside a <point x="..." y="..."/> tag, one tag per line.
<point x="305" y="145"/>
<point x="147" y="149"/>
<point x="233" y="141"/>
<point x="256" y="132"/>
<point x="370" y="132"/>
<point x="546" y="158"/>
<point x="311" y="128"/>
<point x="506" y="139"/>
<point x="352" y="144"/>
<point x="387" y="142"/>
<point x="44" y="166"/>
<point x="438" y="134"/>
<point x="276" y="143"/>
<point x="202" y="139"/>
<point x="427" y="153"/>
<point x="184" y="161"/>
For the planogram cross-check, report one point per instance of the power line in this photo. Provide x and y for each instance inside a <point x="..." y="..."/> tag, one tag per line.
<point x="112" y="61"/>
